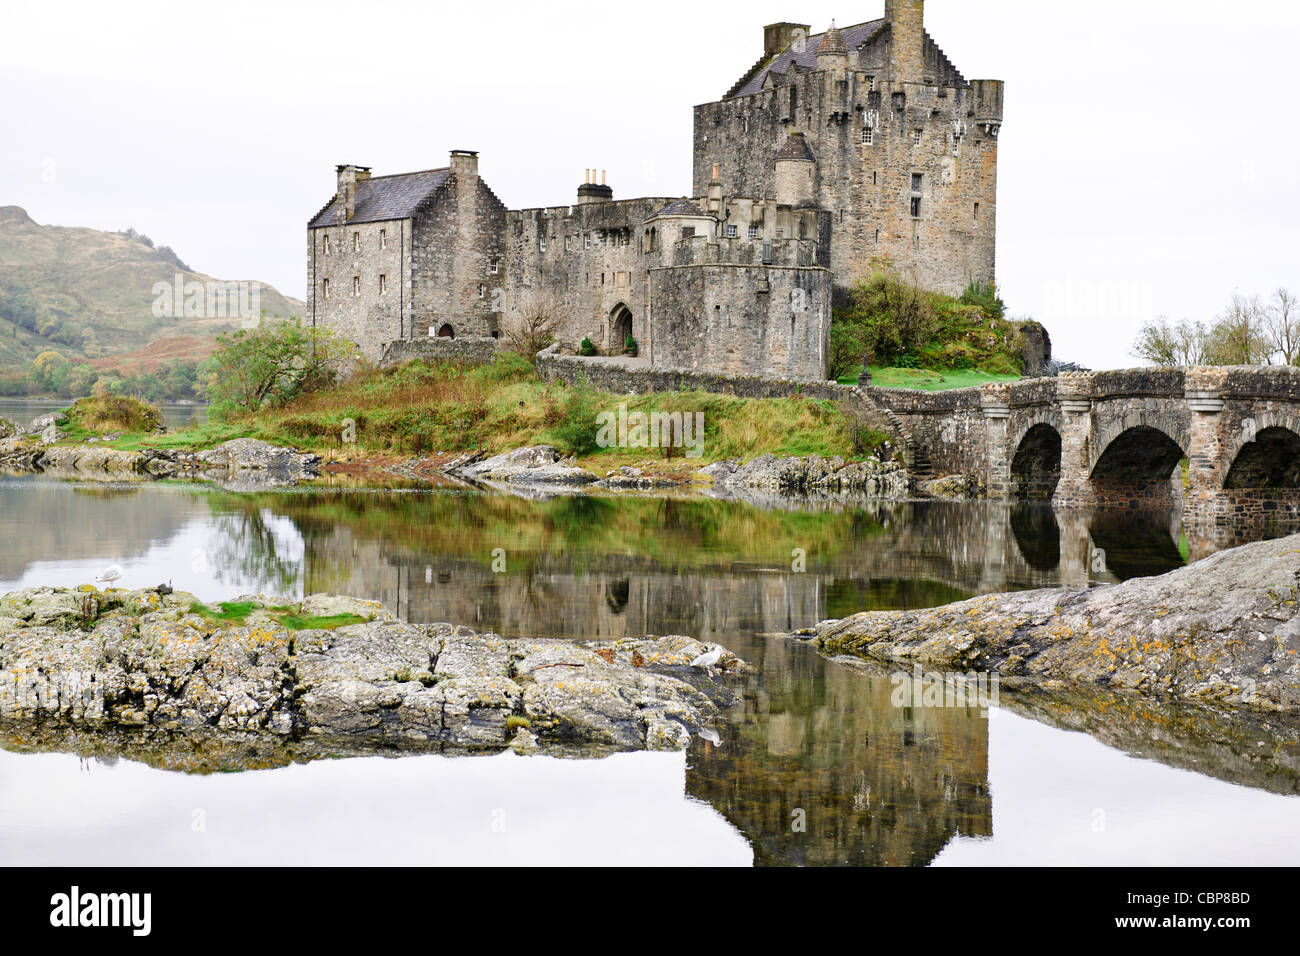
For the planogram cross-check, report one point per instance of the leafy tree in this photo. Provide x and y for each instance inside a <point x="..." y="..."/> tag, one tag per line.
<point x="273" y="363"/>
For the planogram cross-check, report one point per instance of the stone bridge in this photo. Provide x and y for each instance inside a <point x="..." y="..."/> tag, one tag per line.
<point x="1119" y="438"/>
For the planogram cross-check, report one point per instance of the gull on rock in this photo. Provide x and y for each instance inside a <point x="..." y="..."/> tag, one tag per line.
<point x="109" y="574"/>
<point x="709" y="659"/>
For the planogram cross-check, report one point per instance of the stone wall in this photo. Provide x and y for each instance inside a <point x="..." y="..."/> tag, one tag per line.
<point x="772" y="321"/>
<point x="344" y="293"/>
<point x="868" y="187"/>
<point x="470" y="350"/>
<point x="457" y="257"/>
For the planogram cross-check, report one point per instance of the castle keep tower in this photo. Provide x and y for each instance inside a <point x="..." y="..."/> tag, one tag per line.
<point x="903" y="148"/>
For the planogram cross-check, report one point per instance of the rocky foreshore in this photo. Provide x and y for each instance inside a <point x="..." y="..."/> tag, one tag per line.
<point x="1224" y="631"/>
<point x="344" y="673"/>
<point x="26" y="454"/>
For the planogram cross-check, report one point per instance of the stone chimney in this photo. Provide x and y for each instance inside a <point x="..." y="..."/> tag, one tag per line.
<point x="715" y="193"/>
<point x="906" y="39"/>
<point x="348" y="177"/>
<point x="778" y="36"/>
<point x="464" y="165"/>
<point x="592" y="191"/>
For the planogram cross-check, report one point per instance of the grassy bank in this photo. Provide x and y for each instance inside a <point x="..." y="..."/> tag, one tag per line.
<point x="929" y="380"/>
<point x="427" y="408"/>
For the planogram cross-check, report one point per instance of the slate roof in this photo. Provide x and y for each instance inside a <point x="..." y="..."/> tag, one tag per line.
<point x="680" y="207"/>
<point x="387" y="197"/>
<point x="795" y="147"/>
<point x="833" y="42"/>
<point x="852" y="37"/>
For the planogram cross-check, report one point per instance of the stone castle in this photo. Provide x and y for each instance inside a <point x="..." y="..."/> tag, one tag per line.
<point x="834" y="154"/>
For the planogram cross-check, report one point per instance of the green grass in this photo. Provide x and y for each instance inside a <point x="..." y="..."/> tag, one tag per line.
<point x="237" y="612"/>
<point x="930" y="380"/>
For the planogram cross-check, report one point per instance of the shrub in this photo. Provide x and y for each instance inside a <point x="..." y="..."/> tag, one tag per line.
<point x="114" y="413"/>
<point x="630" y="346"/>
<point x="576" y="431"/>
<point x="586" y="347"/>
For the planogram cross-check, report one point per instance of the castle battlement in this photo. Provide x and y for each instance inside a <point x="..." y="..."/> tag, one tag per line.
<point x="834" y="152"/>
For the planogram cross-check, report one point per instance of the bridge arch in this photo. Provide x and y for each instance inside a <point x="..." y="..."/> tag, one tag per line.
<point x="1271" y="460"/>
<point x="1140" y="453"/>
<point x="1257" y="447"/>
<point x="1036" y="463"/>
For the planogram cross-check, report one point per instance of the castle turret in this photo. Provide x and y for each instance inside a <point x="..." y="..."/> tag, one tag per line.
<point x="833" y="52"/>
<point x="906" y="39"/>
<point x="796" y="172"/>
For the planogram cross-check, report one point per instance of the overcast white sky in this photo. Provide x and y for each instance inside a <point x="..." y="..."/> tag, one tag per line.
<point x="1150" y="158"/>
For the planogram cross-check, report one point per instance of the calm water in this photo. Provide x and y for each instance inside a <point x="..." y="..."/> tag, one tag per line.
<point x="815" y="766"/>
<point x="23" y="410"/>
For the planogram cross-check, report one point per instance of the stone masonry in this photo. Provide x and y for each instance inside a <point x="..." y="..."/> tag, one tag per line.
<point x="836" y="154"/>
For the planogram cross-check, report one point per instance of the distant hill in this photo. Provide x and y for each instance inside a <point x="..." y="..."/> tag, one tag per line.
<point x="90" y="295"/>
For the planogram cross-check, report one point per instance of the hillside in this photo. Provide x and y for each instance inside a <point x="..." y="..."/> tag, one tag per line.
<point x="90" y="294"/>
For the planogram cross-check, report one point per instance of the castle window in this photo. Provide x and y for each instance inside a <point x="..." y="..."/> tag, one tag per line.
<point x="871" y="84"/>
<point x="568" y="243"/>
<point x="916" y="137"/>
<point x="916" y="207"/>
<point x="586" y="240"/>
<point x="541" y="243"/>
<point x="877" y="236"/>
<point x="383" y="284"/>
<point x="976" y="217"/>
<point x="753" y="233"/>
<point x="356" y="242"/>
<point x="868" y="136"/>
<point x="732" y="232"/>
<point x="688" y="231"/>
<point x="482" y="291"/>
<point x="325" y="249"/>
<point x="916" y="182"/>
<point x="325" y="288"/>
<point x="356" y="285"/>
<point x="494" y="266"/>
<point x="383" y="239"/>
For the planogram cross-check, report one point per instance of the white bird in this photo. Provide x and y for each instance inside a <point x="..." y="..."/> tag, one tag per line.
<point x="109" y="574"/>
<point x="709" y="658"/>
<point x="711" y="735"/>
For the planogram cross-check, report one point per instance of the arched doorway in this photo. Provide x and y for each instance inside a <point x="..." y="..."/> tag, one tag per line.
<point x="1036" y="468"/>
<point x="620" y="327"/>
<point x="445" y="331"/>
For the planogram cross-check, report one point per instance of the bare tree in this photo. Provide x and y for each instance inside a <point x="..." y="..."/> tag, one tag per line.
<point x="532" y="327"/>
<point x="1281" y="327"/>
<point x="1179" y="344"/>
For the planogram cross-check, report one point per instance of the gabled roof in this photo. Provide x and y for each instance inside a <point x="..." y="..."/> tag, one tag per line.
<point x="387" y="197"/>
<point x="852" y="37"/>
<point x="681" y="207"/>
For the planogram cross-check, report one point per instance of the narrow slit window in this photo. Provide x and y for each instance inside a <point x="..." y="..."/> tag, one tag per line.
<point x="356" y="285"/>
<point x="356" y="242"/>
<point x="383" y="239"/>
<point x="383" y="284"/>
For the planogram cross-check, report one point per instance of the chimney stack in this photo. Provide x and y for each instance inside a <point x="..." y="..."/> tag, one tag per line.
<point x="592" y="191"/>
<point x="778" y="36"/>
<point x="348" y="177"/>
<point x="464" y="165"/>
<point x="906" y="40"/>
